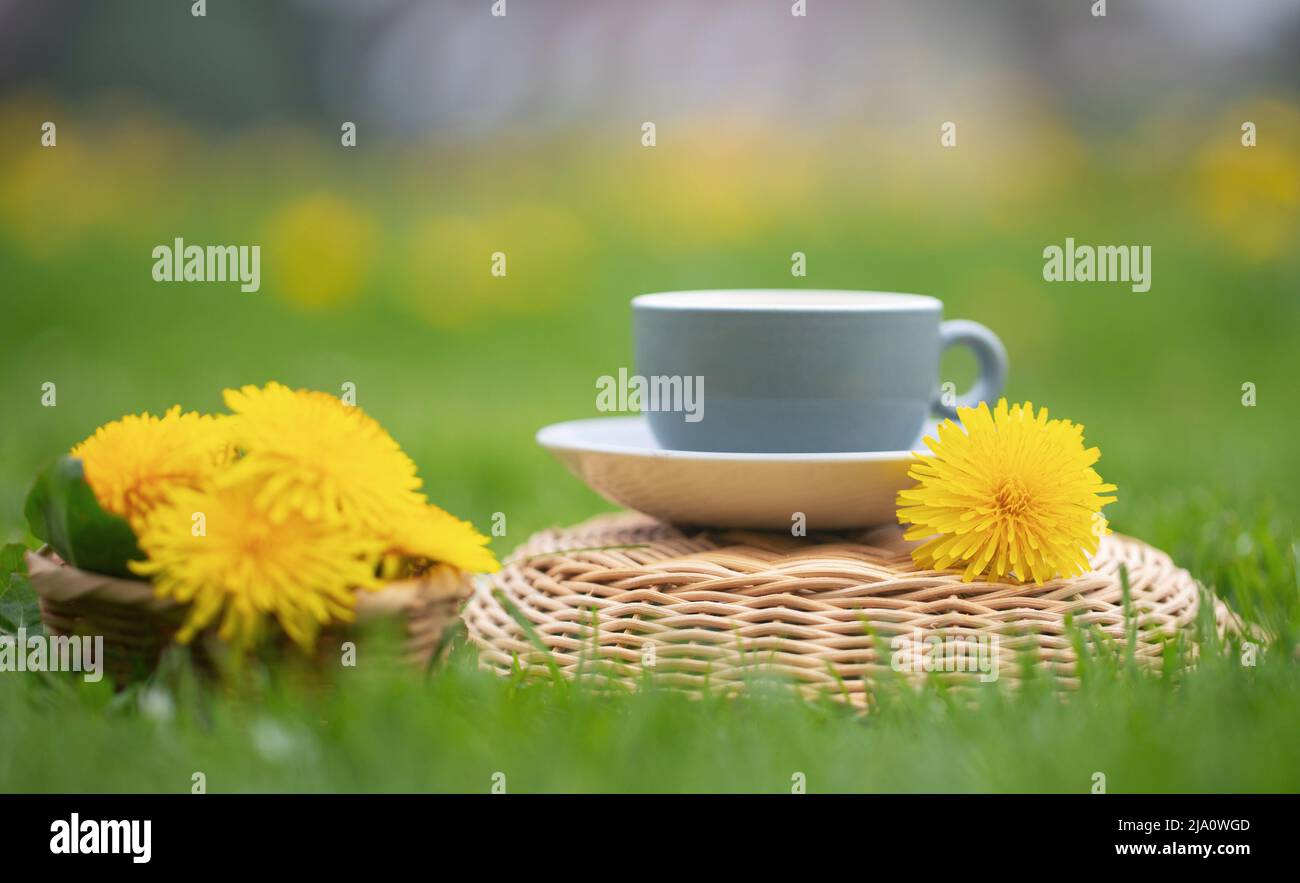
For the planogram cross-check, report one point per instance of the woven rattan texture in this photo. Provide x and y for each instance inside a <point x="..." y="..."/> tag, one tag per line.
<point x="136" y="626"/>
<point x="831" y="612"/>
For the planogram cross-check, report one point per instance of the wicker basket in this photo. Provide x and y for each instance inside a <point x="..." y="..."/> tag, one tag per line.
<point x="832" y="613"/>
<point x="137" y="625"/>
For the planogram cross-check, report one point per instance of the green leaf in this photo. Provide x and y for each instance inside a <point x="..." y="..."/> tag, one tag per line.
<point x="13" y="559"/>
<point x="62" y="511"/>
<point x="19" y="606"/>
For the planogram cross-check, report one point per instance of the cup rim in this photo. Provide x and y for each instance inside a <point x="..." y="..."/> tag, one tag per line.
<point x="786" y="300"/>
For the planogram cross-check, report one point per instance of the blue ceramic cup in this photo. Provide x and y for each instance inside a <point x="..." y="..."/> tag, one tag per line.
<point x="798" y="371"/>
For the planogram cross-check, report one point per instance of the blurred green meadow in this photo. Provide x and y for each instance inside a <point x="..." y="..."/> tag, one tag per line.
<point x="376" y="271"/>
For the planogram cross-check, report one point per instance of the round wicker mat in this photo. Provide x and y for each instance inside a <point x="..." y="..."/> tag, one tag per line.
<point x="628" y="594"/>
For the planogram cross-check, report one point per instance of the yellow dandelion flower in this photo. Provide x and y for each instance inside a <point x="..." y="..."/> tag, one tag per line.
<point x="220" y="552"/>
<point x="429" y="534"/>
<point x="307" y="452"/>
<point x="133" y="463"/>
<point x="325" y="247"/>
<point x="1013" y="494"/>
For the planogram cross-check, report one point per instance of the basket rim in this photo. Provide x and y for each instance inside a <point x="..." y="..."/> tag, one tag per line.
<point x="54" y="579"/>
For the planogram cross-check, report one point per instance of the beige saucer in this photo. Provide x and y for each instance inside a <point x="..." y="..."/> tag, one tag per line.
<point x="619" y="459"/>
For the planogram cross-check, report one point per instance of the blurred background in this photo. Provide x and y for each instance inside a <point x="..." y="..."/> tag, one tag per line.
<point x="523" y="134"/>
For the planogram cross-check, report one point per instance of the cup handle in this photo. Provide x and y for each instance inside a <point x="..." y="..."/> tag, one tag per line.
<point x="992" y="356"/>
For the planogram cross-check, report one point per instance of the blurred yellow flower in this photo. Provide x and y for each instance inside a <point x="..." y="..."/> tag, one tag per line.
<point x="221" y="552"/>
<point x="132" y="464"/>
<point x="427" y="535"/>
<point x="1006" y="493"/>
<point x="112" y="174"/>
<point x="323" y="246"/>
<point x="309" y="454"/>
<point x="448" y="279"/>
<point x="536" y="251"/>
<point x="51" y="198"/>
<point x="711" y="186"/>
<point x="1250" y="196"/>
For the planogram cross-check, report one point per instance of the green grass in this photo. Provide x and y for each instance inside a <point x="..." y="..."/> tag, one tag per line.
<point x="1220" y="727"/>
<point x="1155" y="378"/>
